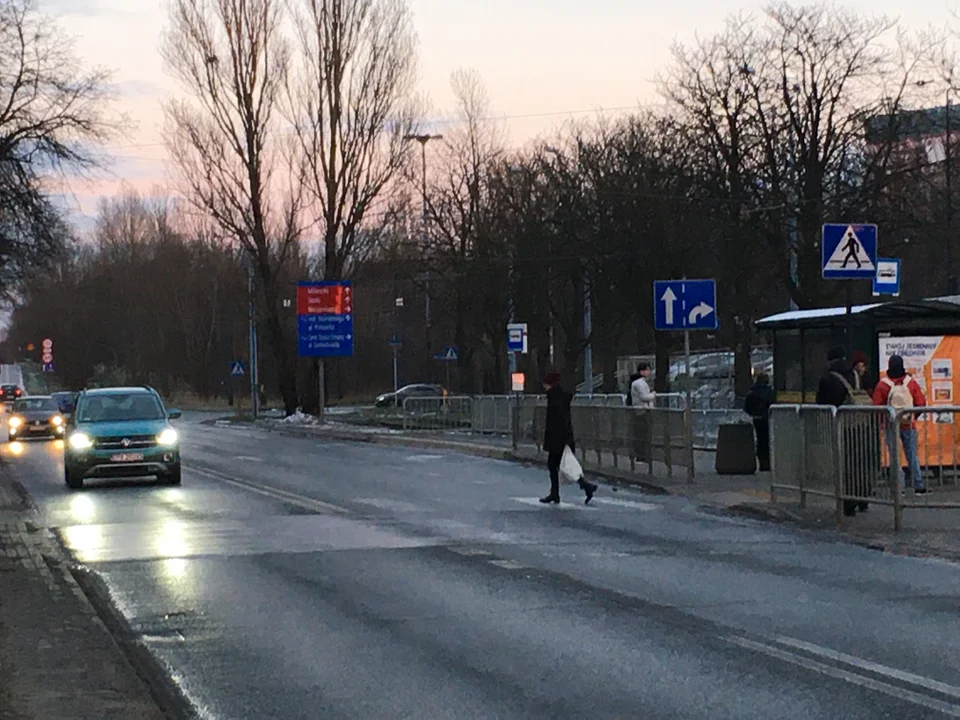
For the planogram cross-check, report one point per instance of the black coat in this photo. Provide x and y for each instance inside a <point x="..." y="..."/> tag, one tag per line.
<point x="831" y="390"/>
<point x="758" y="401"/>
<point x="558" y="432"/>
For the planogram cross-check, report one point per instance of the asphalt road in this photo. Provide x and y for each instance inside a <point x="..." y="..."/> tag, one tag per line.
<point x="293" y="578"/>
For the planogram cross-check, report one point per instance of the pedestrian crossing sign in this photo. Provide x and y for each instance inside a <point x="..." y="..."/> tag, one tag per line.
<point x="849" y="252"/>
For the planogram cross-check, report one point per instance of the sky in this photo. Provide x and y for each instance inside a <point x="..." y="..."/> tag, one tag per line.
<point x="543" y="62"/>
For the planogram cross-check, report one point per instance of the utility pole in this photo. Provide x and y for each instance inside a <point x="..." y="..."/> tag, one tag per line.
<point x="948" y="157"/>
<point x="424" y="237"/>
<point x="254" y="361"/>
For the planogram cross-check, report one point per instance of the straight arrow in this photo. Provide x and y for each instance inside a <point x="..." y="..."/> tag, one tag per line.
<point x="669" y="298"/>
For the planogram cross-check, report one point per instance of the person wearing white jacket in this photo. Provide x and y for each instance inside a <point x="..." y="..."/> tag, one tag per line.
<point x="641" y="395"/>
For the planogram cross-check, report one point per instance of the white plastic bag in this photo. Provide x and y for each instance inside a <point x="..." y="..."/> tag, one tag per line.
<point x="570" y="470"/>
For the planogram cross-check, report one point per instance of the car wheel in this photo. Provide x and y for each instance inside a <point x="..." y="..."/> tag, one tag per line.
<point x="173" y="477"/>
<point x="73" y="479"/>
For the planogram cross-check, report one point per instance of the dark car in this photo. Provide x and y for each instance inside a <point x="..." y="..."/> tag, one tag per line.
<point x="121" y="432"/>
<point x="35" y="415"/>
<point x="9" y="393"/>
<point x="408" y="391"/>
<point x="66" y="401"/>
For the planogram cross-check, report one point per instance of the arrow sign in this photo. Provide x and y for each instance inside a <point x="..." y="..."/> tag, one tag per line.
<point x="669" y="298"/>
<point x="700" y="311"/>
<point x="685" y="305"/>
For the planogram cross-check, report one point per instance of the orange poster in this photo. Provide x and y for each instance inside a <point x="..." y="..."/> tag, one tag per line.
<point x="934" y="362"/>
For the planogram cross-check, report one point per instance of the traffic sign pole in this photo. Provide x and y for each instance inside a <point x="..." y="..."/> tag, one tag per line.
<point x="688" y="409"/>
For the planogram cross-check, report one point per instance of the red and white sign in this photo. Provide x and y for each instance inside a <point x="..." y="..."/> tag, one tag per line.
<point x="324" y="300"/>
<point x="47" y="345"/>
<point x="47" y="358"/>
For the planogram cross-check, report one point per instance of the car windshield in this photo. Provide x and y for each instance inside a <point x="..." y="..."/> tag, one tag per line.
<point x="119" y="407"/>
<point x="36" y="404"/>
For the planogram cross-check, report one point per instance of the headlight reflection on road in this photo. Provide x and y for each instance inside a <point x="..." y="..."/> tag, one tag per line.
<point x="82" y="508"/>
<point x="16" y="448"/>
<point x="85" y="540"/>
<point x="171" y="540"/>
<point x="175" y="568"/>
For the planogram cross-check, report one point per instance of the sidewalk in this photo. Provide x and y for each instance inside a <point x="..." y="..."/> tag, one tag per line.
<point x="57" y="659"/>
<point x="933" y="533"/>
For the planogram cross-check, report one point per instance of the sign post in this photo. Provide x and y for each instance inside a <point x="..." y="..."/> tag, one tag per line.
<point x="47" y="356"/>
<point x="324" y="324"/>
<point x="449" y="355"/>
<point x="848" y="252"/>
<point x="685" y="305"/>
<point x="395" y="345"/>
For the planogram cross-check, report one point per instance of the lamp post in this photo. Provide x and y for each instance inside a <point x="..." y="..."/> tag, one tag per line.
<point x="423" y="140"/>
<point x="254" y="360"/>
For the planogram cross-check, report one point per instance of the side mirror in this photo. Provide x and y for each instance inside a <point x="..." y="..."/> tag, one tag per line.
<point x="174" y="414"/>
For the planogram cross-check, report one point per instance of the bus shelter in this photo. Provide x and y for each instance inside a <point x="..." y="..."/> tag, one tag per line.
<point x="926" y="333"/>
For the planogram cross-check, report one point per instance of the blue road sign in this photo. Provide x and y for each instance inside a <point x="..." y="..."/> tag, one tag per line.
<point x="238" y="367"/>
<point x="848" y="252"/>
<point x="49" y="367"/>
<point x="685" y="305"/>
<point x="517" y="338"/>
<point x="325" y="318"/>
<point x="449" y="354"/>
<point x="887" y="281"/>
<point x="395" y="341"/>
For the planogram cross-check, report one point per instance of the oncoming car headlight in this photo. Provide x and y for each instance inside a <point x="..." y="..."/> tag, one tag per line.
<point x="168" y="438"/>
<point x="80" y="441"/>
<point x="57" y="420"/>
<point x="15" y="422"/>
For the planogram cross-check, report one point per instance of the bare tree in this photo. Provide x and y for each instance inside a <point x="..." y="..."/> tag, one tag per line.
<point x="53" y="116"/>
<point x="348" y="98"/>
<point x="231" y="58"/>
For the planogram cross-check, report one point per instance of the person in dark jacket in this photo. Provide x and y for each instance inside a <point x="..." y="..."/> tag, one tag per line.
<point x="558" y="435"/>
<point x="757" y="406"/>
<point x="832" y="390"/>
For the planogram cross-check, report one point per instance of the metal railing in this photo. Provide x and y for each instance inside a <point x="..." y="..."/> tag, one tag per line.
<point x="452" y="412"/>
<point x="862" y="455"/>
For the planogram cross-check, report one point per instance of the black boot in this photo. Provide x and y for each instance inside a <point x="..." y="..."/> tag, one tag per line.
<point x="589" y="489"/>
<point x="550" y="499"/>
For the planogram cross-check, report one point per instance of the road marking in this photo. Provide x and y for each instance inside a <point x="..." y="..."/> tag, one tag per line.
<point x="578" y="504"/>
<point x="424" y="458"/>
<point x="508" y="565"/>
<point x="271" y="492"/>
<point x="469" y="552"/>
<point x="863" y="681"/>
<point x="249" y="458"/>
<point x="901" y="675"/>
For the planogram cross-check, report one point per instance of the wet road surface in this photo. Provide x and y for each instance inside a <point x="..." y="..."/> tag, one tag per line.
<point x="293" y="578"/>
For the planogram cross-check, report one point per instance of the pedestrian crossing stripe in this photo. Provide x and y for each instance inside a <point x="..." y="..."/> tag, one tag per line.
<point x="850" y="254"/>
<point x="576" y="503"/>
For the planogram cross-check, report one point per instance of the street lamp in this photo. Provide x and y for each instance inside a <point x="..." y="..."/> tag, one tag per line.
<point x="423" y="140"/>
<point x="254" y="360"/>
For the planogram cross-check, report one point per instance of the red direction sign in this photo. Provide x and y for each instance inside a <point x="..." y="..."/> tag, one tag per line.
<point x="324" y="300"/>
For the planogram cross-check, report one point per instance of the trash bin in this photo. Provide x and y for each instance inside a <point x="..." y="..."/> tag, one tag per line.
<point x="736" y="450"/>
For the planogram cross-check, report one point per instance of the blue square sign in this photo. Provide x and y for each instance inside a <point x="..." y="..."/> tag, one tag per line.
<point x="848" y="252"/>
<point x="685" y="305"/>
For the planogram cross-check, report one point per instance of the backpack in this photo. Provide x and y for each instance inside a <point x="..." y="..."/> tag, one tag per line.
<point x="899" y="397"/>
<point x="854" y="397"/>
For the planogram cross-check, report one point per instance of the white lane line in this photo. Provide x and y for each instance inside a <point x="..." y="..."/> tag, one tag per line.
<point x="249" y="458"/>
<point x="850" y="677"/>
<point x="901" y="675"/>
<point x="469" y="552"/>
<point x="508" y="565"/>
<point x="423" y="458"/>
<point x="271" y="492"/>
<point x="635" y="504"/>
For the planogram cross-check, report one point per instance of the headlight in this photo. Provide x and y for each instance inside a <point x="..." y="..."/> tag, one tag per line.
<point x="16" y="422"/>
<point x="168" y="437"/>
<point x="80" y="441"/>
<point x="57" y="420"/>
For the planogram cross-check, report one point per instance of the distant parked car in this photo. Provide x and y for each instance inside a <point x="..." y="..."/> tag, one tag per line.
<point x="409" y="391"/>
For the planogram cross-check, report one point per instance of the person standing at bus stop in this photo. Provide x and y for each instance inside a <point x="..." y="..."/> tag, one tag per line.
<point x="757" y="406"/>
<point x="902" y="392"/>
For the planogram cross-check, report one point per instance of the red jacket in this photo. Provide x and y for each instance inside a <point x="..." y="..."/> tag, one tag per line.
<point x="881" y="395"/>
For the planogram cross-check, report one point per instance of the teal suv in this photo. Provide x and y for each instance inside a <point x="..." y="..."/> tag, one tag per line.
<point x="121" y="432"/>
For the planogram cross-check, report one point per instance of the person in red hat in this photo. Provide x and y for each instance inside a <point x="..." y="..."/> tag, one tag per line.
<point x="860" y="368"/>
<point x="558" y="435"/>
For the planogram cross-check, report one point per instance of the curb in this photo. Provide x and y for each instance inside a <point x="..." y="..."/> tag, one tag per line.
<point x="163" y="689"/>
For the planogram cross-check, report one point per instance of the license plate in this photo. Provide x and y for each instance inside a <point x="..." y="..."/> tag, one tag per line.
<point x="126" y="457"/>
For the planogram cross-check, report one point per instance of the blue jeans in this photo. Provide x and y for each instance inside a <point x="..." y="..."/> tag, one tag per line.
<point x="909" y="439"/>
